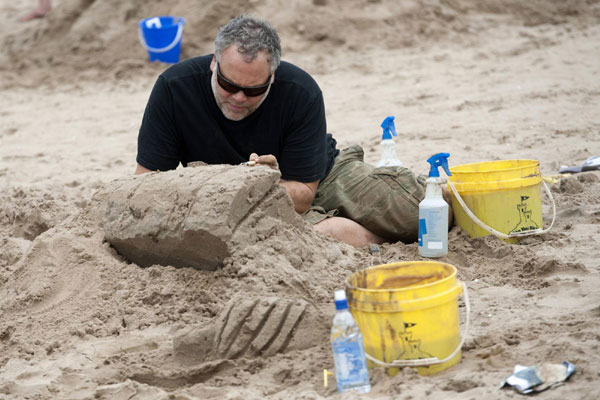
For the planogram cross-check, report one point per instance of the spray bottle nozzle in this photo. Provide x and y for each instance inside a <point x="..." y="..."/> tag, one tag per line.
<point x="389" y="128"/>
<point x="436" y="161"/>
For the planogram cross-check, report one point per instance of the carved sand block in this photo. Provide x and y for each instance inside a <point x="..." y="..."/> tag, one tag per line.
<point x="192" y="217"/>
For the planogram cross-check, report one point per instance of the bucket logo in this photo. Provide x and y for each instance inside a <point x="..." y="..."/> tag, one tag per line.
<point x="411" y="348"/>
<point x="525" y="222"/>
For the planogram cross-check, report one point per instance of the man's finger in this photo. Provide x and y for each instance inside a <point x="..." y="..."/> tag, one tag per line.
<point x="268" y="159"/>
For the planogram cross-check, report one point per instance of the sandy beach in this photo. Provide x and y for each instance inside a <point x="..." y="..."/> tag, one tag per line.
<point x="481" y="80"/>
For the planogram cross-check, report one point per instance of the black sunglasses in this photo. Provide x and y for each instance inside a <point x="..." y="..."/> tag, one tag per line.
<point x="250" y="91"/>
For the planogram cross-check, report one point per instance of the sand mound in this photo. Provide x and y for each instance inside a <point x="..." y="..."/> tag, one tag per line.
<point x="98" y="39"/>
<point x="177" y="328"/>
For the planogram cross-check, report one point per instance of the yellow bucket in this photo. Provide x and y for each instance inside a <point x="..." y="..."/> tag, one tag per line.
<point x="498" y="197"/>
<point x="408" y="315"/>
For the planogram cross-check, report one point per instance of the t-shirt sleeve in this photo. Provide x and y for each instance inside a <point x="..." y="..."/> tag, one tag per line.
<point x="304" y="153"/>
<point x="158" y="143"/>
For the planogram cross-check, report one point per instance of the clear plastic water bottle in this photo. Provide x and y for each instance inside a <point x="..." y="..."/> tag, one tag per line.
<point x="351" y="371"/>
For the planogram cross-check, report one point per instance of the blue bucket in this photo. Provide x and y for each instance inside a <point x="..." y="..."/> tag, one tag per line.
<point x="161" y="37"/>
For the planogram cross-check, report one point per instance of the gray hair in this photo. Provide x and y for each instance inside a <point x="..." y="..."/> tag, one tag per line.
<point x="251" y="36"/>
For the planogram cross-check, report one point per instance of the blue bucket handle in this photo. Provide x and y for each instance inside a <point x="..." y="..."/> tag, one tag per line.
<point x="180" y="22"/>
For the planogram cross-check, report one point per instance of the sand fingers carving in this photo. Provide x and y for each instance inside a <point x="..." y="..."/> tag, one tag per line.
<point x="250" y="327"/>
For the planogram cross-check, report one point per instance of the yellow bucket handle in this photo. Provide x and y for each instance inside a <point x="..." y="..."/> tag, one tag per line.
<point x="499" y="234"/>
<point x="423" y="362"/>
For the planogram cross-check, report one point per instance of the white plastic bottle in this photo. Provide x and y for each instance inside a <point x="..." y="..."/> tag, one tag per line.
<point x="433" y="211"/>
<point x="387" y="145"/>
<point x="351" y="371"/>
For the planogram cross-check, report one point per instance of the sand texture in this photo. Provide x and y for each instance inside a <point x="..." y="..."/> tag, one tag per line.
<point x="202" y="283"/>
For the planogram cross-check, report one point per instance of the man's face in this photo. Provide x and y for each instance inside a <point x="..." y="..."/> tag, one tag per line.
<point x="235" y="70"/>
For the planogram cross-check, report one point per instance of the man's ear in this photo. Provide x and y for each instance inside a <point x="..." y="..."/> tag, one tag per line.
<point x="213" y="62"/>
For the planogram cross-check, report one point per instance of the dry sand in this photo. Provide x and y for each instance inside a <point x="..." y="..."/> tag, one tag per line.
<point x="482" y="80"/>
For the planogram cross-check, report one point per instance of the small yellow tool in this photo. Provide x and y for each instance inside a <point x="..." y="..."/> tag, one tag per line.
<point x="552" y="179"/>
<point x="326" y="374"/>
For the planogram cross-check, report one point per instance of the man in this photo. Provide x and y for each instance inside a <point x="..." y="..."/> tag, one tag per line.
<point x="243" y="103"/>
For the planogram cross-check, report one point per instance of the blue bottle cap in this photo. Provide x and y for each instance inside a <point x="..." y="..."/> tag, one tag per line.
<point x="340" y="300"/>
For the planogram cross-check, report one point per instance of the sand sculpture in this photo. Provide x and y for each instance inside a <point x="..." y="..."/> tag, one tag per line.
<point x="192" y="217"/>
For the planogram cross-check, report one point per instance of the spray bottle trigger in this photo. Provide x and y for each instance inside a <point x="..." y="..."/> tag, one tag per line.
<point x="389" y="128"/>
<point x="436" y="161"/>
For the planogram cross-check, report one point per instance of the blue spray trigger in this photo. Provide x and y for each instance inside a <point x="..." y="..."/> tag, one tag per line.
<point x="436" y="161"/>
<point x="389" y="128"/>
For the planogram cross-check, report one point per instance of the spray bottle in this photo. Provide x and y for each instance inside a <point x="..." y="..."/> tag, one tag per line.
<point x="388" y="147"/>
<point x="433" y="211"/>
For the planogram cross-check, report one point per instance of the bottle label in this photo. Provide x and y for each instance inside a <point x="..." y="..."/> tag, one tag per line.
<point x="422" y="230"/>
<point x="435" y="245"/>
<point x="433" y="232"/>
<point x="433" y="219"/>
<point x="350" y="364"/>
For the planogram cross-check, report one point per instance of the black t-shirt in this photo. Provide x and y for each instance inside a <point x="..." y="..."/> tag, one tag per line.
<point x="182" y="123"/>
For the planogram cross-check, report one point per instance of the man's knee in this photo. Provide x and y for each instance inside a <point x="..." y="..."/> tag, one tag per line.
<point x="348" y="231"/>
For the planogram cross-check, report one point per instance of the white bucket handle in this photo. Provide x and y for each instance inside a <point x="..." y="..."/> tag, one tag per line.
<point x="499" y="234"/>
<point x="423" y="362"/>
<point x="163" y="49"/>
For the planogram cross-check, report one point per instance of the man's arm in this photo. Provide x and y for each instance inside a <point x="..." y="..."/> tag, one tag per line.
<point x="141" y="170"/>
<point x="302" y="194"/>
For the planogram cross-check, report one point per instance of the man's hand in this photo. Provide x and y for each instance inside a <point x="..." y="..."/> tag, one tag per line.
<point x="268" y="160"/>
<point x="141" y="170"/>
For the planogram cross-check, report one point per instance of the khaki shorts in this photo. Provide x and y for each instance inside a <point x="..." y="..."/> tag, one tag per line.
<point x="383" y="200"/>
